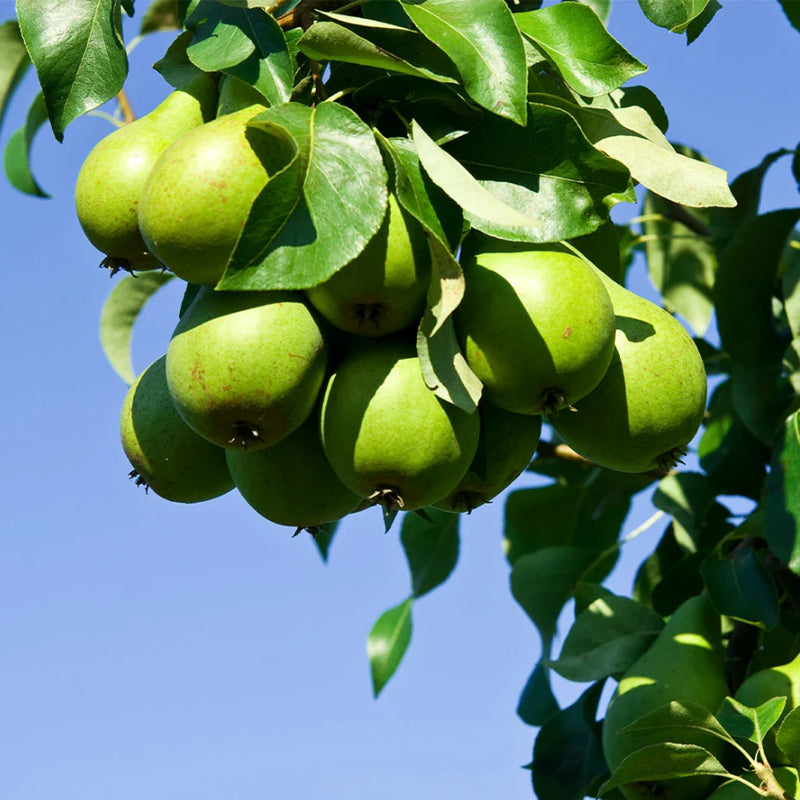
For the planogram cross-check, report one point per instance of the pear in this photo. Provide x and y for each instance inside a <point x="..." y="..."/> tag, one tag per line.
<point x="507" y="444"/>
<point x="114" y="173"/>
<point x="292" y="483"/>
<point x="684" y="663"/>
<point x="199" y="194"/>
<point x="387" y="436"/>
<point x="536" y="326"/>
<point x="384" y="288"/>
<point x="244" y="368"/>
<point x="166" y="455"/>
<point x="652" y="399"/>
<point x="735" y="790"/>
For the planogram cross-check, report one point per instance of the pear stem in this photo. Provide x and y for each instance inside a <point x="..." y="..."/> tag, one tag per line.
<point x="125" y="107"/>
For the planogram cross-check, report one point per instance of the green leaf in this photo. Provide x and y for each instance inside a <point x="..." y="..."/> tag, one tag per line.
<point x="120" y="311"/>
<point x="674" y="719"/>
<point x="792" y="11"/>
<point x="319" y="211"/>
<point x="701" y="21"/>
<point x="788" y="736"/>
<point x="323" y="537"/>
<point x="14" y="63"/>
<point x="546" y="171"/>
<point x="744" y="722"/>
<point x="219" y="41"/>
<point x="387" y="643"/>
<point x="674" y="15"/>
<point x="484" y="43"/>
<point x="18" y="150"/>
<point x="658" y="762"/>
<point x="782" y="497"/>
<point x="568" y="759"/>
<point x="606" y="638"/>
<point x="741" y="587"/>
<point x="431" y="548"/>
<point x="537" y="703"/>
<point x="161" y="15"/>
<point x="747" y="268"/>
<point x="687" y="496"/>
<point x="588" y="57"/>
<point x="174" y="66"/>
<point x="761" y="398"/>
<point x="78" y="54"/>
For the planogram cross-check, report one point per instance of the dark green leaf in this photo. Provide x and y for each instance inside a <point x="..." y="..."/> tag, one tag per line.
<point x="387" y="643"/>
<point x="674" y="15"/>
<point x="606" y="638"/>
<point x="174" y="66"/>
<point x="782" y="497"/>
<point x="568" y="760"/>
<point x="590" y="60"/>
<point x="220" y="41"/>
<point x="741" y="587"/>
<point x="78" y="54"/>
<point x="323" y="536"/>
<point x="120" y="311"/>
<point x="761" y="397"/>
<point x="18" y="150"/>
<point x="189" y="293"/>
<point x="316" y="213"/>
<point x="127" y="6"/>
<point x="687" y="496"/>
<point x="747" y="268"/>
<point x="431" y="548"/>
<point x="484" y="43"/>
<point x="603" y="248"/>
<point x="701" y="21"/>
<point x="744" y="722"/>
<point x="536" y="703"/>
<point x="161" y="15"/>
<point x="674" y="719"/>
<point x="788" y="736"/>
<point x="792" y="11"/>
<point x="14" y="63"/>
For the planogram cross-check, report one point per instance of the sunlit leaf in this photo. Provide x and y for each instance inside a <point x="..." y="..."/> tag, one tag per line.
<point x="14" y="63"/>
<point x="788" y="736"/>
<point x="18" y="150"/>
<point x="387" y="643"/>
<point x="744" y="722"/>
<point x="674" y="15"/>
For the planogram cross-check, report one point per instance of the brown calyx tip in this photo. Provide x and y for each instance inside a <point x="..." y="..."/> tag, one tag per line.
<point x="368" y="313"/>
<point x="138" y="479"/>
<point x="553" y="401"/>
<point x="115" y="264"/>
<point x="468" y="501"/>
<point x="244" y="434"/>
<point x="667" y="461"/>
<point x="389" y="497"/>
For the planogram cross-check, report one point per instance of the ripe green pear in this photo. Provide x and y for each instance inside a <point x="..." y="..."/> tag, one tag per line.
<point x="734" y="790"/>
<point x="199" y="194"/>
<point x="112" y="177"/>
<point x="507" y="444"/>
<point x="244" y="368"/>
<point x="383" y="289"/>
<point x="684" y="663"/>
<point x="387" y="436"/>
<point x="292" y="483"/>
<point x="166" y="455"/>
<point x="536" y="326"/>
<point x="652" y="399"/>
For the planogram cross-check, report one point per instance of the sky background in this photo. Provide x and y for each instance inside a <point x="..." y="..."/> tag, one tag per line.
<point x="170" y="652"/>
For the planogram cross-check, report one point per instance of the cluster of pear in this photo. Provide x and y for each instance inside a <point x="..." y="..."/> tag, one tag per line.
<point x="313" y="403"/>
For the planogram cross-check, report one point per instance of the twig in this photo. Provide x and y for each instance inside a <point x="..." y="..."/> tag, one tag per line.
<point x="300" y="15"/>
<point x="125" y="107"/>
<point x="677" y="213"/>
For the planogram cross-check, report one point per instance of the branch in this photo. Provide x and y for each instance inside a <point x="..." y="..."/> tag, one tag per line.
<point x="678" y="213"/>
<point x="300" y="15"/>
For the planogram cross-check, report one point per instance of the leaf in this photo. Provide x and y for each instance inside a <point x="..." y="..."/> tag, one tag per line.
<point x="484" y="43"/>
<point x="120" y="311"/>
<point x="546" y="171"/>
<point x="78" y="54"/>
<point x="744" y="722"/>
<point x="687" y="496"/>
<point x="747" y="268"/>
<point x="18" y="150"/>
<point x="431" y="548"/>
<point x="782" y="497"/>
<point x="588" y="57"/>
<point x="792" y="11"/>
<point x="701" y="21"/>
<point x="219" y="41"/>
<point x="674" y="15"/>
<point x="657" y="762"/>
<point x="161" y="15"/>
<point x="537" y="703"/>
<point x="387" y="643"/>
<point x="317" y="213"/>
<point x="323" y="537"/>
<point x="788" y="736"/>
<point x="606" y="638"/>
<point x="673" y="719"/>
<point x="14" y="63"/>
<point x="761" y="397"/>
<point x="567" y="756"/>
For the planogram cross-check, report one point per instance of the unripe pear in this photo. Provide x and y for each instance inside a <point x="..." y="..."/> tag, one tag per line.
<point x="166" y="455"/>
<point x="384" y="288"/>
<point x="198" y="197"/>
<point x="685" y="663"/>
<point x="651" y="400"/>
<point x="292" y="483"/>
<point x="244" y="368"/>
<point x="536" y="326"/>
<point x="507" y="444"/>
<point x="112" y="177"/>
<point x="387" y="436"/>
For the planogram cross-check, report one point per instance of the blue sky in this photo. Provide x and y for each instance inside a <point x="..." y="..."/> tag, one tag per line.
<point x="175" y="652"/>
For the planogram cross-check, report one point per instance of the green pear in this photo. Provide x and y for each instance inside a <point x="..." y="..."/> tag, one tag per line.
<point x="507" y="444"/>
<point x="198" y="197"/>
<point x="112" y="177"/>
<point x="735" y="790"/>
<point x="652" y="399"/>
<point x="685" y="663"/>
<point x="166" y="455"/>
<point x="384" y="289"/>
<point x="292" y="483"/>
<point x="244" y="368"/>
<point x="536" y="326"/>
<point x="387" y="436"/>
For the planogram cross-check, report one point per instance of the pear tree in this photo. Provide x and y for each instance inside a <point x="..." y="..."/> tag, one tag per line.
<point x="405" y="284"/>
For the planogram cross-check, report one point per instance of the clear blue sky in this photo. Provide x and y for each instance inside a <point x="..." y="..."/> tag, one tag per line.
<point x="172" y="652"/>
